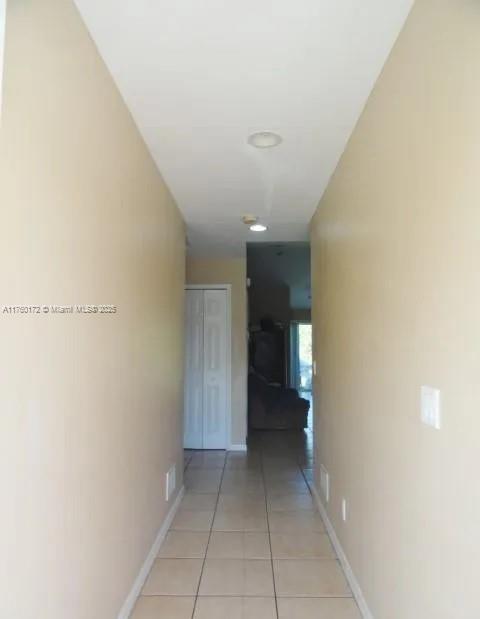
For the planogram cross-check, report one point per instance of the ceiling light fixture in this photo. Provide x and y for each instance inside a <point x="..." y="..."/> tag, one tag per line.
<point x="258" y="228"/>
<point x="264" y="139"/>
<point x="248" y="219"/>
<point x="252" y="222"/>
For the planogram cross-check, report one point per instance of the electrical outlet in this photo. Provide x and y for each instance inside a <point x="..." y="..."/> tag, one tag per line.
<point x="344" y="510"/>
<point x="314" y="367"/>
<point x="325" y="483"/>
<point x="170" y="482"/>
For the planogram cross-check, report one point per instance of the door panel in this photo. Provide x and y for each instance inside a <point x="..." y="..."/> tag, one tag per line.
<point x="215" y="373"/>
<point x="193" y="416"/>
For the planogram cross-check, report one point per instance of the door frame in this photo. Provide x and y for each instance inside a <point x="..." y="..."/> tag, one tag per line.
<point x="228" y="372"/>
<point x="294" y="367"/>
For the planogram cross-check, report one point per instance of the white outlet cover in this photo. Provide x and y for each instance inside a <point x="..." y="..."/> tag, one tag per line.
<point x="344" y="510"/>
<point x="325" y="483"/>
<point x="170" y="482"/>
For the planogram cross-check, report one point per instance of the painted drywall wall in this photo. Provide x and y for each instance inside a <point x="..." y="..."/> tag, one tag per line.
<point x="396" y="249"/>
<point x="90" y="403"/>
<point x="230" y="271"/>
<point x="3" y="12"/>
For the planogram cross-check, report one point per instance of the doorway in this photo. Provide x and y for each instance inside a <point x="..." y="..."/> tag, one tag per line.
<point x="207" y="367"/>
<point x="301" y="369"/>
<point x="279" y="396"/>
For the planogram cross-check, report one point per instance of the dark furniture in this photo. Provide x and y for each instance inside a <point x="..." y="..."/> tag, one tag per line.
<point x="268" y="354"/>
<point x="274" y="408"/>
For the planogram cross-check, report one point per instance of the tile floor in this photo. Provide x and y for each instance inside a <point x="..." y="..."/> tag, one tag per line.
<point x="247" y="541"/>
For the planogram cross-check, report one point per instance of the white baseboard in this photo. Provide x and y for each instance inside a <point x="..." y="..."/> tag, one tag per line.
<point x="237" y="448"/>
<point x="136" y="589"/>
<point x="352" y="581"/>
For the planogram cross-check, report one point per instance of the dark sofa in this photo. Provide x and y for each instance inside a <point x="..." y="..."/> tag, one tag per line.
<point x="274" y="408"/>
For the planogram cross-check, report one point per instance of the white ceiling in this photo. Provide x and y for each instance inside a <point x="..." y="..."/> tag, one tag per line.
<point x="200" y="76"/>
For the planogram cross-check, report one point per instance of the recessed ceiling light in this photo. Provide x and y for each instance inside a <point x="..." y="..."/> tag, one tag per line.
<point x="264" y="139"/>
<point x="258" y="228"/>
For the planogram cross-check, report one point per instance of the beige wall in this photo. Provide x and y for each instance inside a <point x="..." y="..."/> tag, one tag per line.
<point x="230" y="271"/>
<point x="396" y="254"/>
<point x="90" y="404"/>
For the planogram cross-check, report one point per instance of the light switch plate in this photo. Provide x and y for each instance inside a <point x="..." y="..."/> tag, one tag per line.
<point x="430" y="407"/>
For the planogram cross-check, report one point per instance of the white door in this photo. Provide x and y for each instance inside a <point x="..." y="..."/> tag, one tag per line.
<point x="193" y="416"/>
<point x="206" y="369"/>
<point x="214" y="369"/>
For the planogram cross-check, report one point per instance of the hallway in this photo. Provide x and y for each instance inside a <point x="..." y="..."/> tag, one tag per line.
<point x="247" y="541"/>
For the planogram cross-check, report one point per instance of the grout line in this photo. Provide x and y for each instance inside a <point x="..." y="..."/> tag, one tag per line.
<point x="264" y="597"/>
<point x="260" y="449"/>
<point x="210" y="534"/>
<point x="269" y="534"/>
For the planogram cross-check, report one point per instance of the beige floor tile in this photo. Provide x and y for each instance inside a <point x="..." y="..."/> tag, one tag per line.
<point x="237" y="577"/>
<point x="184" y="545"/>
<point x="295" y="522"/>
<point x="284" y="475"/>
<point x="243" y="462"/>
<point x="238" y="545"/>
<point x="163" y="607"/>
<point x="274" y="465"/>
<point x="215" y="474"/>
<point x="203" y="481"/>
<point x="251" y="454"/>
<point x="242" y="475"/>
<point x="286" y="487"/>
<point x="242" y="520"/>
<point x="312" y="578"/>
<point x="173" y="577"/>
<point x="243" y="486"/>
<point x="310" y="608"/>
<point x="202" y="502"/>
<point x="202" y="487"/>
<point x="192" y="520"/>
<point x="235" y="608"/>
<point x="290" y="502"/>
<point x="301" y="546"/>
<point x="243" y="466"/>
<point x="208" y="460"/>
<point x="240" y="502"/>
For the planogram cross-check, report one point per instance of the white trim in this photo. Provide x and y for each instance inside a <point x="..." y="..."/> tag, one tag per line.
<point x="208" y="287"/>
<point x="238" y="447"/>
<point x="352" y="580"/>
<point x="228" y="288"/>
<point x="136" y="589"/>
